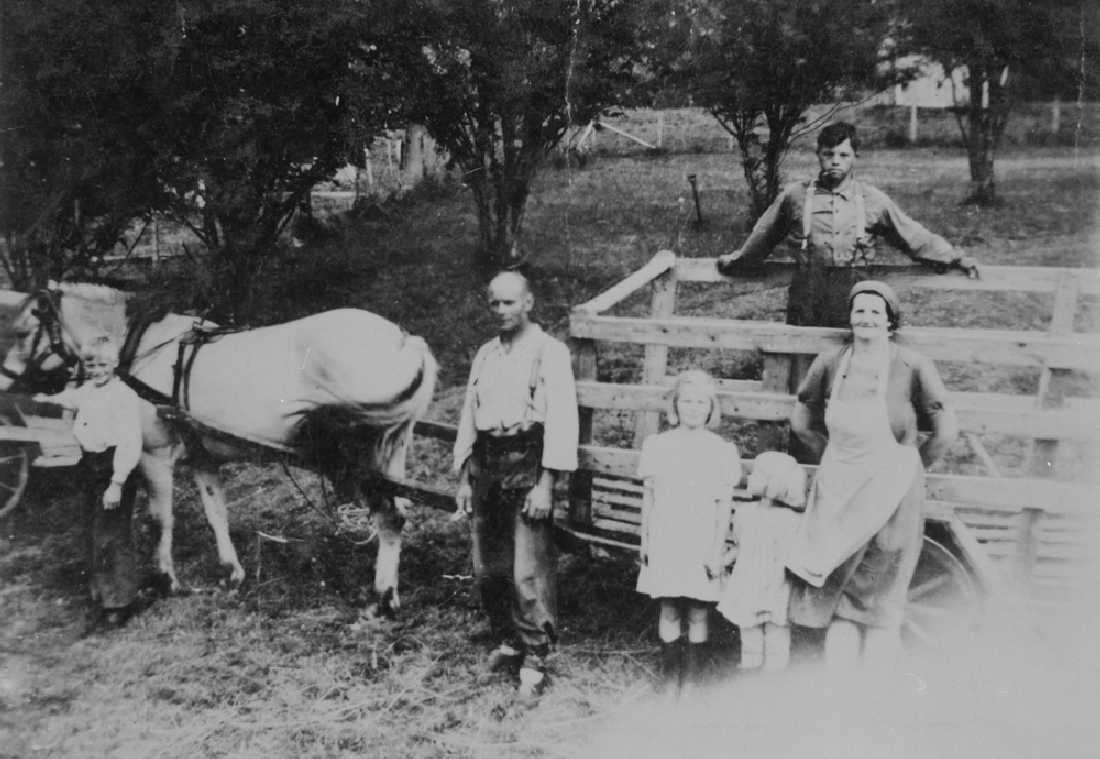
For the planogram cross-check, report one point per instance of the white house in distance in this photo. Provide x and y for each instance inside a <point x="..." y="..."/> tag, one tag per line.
<point x="931" y="88"/>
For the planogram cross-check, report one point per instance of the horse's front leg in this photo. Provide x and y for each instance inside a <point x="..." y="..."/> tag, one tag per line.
<point x="209" y="482"/>
<point x="389" y="519"/>
<point x="156" y="465"/>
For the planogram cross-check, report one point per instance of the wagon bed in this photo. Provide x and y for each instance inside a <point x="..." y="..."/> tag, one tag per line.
<point x="1028" y="533"/>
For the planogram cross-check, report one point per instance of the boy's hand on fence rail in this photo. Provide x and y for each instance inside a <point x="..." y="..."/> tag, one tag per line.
<point x="968" y="265"/>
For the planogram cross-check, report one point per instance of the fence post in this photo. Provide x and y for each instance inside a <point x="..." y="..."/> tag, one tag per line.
<point x="1053" y="381"/>
<point x="913" y="120"/>
<point x="580" y="485"/>
<point x="655" y="364"/>
<point x="1028" y="548"/>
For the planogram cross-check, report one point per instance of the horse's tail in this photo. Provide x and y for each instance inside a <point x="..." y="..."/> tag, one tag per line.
<point x="348" y="441"/>
<point x="394" y="421"/>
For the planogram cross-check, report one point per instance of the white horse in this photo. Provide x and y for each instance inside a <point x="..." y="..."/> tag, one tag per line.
<point x="343" y="388"/>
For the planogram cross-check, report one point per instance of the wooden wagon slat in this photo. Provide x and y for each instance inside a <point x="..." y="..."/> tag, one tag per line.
<point x="1015" y="419"/>
<point x="1006" y="347"/>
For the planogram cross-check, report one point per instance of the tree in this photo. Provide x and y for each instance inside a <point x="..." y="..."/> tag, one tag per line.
<point x="78" y="82"/>
<point x="997" y="44"/>
<point x="758" y="66"/>
<point x="498" y="82"/>
<point x="265" y="99"/>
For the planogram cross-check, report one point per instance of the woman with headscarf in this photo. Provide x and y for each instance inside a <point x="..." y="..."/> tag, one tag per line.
<point x="858" y="409"/>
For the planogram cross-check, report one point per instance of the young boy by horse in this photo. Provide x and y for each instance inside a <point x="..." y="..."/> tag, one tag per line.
<point x="108" y="427"/>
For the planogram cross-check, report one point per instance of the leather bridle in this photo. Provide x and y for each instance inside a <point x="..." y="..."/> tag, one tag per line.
<point x="35" y="377"/>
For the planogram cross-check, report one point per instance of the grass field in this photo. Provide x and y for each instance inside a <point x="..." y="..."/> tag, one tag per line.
<point x="278" y="670"/>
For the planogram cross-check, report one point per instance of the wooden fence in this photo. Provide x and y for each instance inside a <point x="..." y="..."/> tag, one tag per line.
<point x="1035" y="526"/>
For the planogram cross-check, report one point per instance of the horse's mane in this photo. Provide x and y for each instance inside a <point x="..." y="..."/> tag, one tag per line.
<point x="91" y="291"/>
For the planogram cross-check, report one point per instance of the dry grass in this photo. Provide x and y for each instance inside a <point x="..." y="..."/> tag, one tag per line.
<point x="279" y="670"/>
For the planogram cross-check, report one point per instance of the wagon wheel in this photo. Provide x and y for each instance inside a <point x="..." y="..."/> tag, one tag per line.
<point x="943" y="599"/>
<point x="14" y="471"/>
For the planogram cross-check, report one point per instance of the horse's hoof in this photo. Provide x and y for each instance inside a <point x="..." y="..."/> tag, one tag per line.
<point x="161" y="584"/>
<point x="389" y="604"/>
<point x="232" y="578"/>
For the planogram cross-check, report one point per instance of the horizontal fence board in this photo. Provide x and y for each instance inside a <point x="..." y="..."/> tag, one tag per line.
<point x="1003" y="347"/>
<point x="994" y="278"/>
<point x="1015" y="419"/>
<point x="992" y="493"/>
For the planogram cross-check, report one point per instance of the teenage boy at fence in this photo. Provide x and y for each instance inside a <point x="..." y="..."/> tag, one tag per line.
<point x="831" y="224"/>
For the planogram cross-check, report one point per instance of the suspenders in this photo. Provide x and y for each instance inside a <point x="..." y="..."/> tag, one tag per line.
<point x="532" y="381"/>
<point x="864" y="250"/>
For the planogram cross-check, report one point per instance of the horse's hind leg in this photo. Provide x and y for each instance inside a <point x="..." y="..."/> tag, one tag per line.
<point x="156" y="466"/>
<point x="209" y="483"/>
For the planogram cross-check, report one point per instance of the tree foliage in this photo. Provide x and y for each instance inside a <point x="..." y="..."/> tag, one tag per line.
<point x="498" y="82"/>
<point x="758" y="66"/>
<point x="265" y="99"/>
<point x="79" y="87"/>
<point x="998" y="45"/>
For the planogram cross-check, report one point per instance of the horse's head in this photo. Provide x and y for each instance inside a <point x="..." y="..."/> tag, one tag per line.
<point x="43" y="356"/>
<point x="47" y="335"/>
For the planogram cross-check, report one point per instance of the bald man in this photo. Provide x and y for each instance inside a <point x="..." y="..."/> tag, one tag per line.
<point x="517" y="434"/>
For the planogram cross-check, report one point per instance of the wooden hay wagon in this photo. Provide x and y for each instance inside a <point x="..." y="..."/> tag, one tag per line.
<point x="1019" y="527"/>
<point x="31" y="434"/>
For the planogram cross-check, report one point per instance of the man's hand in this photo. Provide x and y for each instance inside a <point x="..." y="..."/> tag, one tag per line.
<point x="727" y="264"/>
<point x="537" y="504"/>
<point x="969" y="265"/>
<point x="112" y="496"/>
<point x="464" y="499"/>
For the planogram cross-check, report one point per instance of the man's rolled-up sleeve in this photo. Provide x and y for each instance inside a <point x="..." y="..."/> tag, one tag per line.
<point x="467" y="430"/>
<point x="559" y="450"/>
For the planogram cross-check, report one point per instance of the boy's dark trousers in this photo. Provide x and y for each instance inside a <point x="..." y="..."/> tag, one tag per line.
<point x="112" y="562"/>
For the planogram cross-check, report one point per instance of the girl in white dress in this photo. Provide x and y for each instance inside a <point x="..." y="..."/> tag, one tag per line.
<point x="758" y="590"/>
<point x="689" y="474"/>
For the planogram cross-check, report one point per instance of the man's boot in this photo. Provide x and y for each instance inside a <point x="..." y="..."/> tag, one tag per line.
<point x="506" y="657"/>
<point x="532" y="675"/>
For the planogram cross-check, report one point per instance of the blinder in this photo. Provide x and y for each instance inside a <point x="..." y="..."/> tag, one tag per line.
<point x="35" y="377"/>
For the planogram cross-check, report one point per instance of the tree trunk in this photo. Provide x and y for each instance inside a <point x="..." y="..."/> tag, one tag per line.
<point x="982" y="185"/>
<point x="500" y="203"/>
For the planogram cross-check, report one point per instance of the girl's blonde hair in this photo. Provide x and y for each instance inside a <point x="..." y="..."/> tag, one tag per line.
<point x="101" y="347"/>
<point x="779" y="477"/>
<point x="699" y="379"/>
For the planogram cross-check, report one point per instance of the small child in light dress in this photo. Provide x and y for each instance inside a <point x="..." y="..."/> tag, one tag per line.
<point x="689" y="474"/>
<point x="758" y="590"/>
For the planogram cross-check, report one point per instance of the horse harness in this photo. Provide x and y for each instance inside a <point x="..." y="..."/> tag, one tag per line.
<point x="864" y="246"/>
<point x="187" y="348"/>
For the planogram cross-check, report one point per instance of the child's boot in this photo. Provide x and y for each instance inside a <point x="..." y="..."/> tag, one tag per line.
<point x="777" y="647"/>
<point x="752" y="647"/>
<point x="671" y="667"/>
<point x="692" y="669"/>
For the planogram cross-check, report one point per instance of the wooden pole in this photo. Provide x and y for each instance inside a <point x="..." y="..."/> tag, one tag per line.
<point x="1053" y="381"/>
<point x="655" y="364"/>
<point x="913" y="121"/>
<point x="580" y="485"/>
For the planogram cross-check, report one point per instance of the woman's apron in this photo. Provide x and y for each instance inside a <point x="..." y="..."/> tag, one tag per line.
<point x="864" y="477"/>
